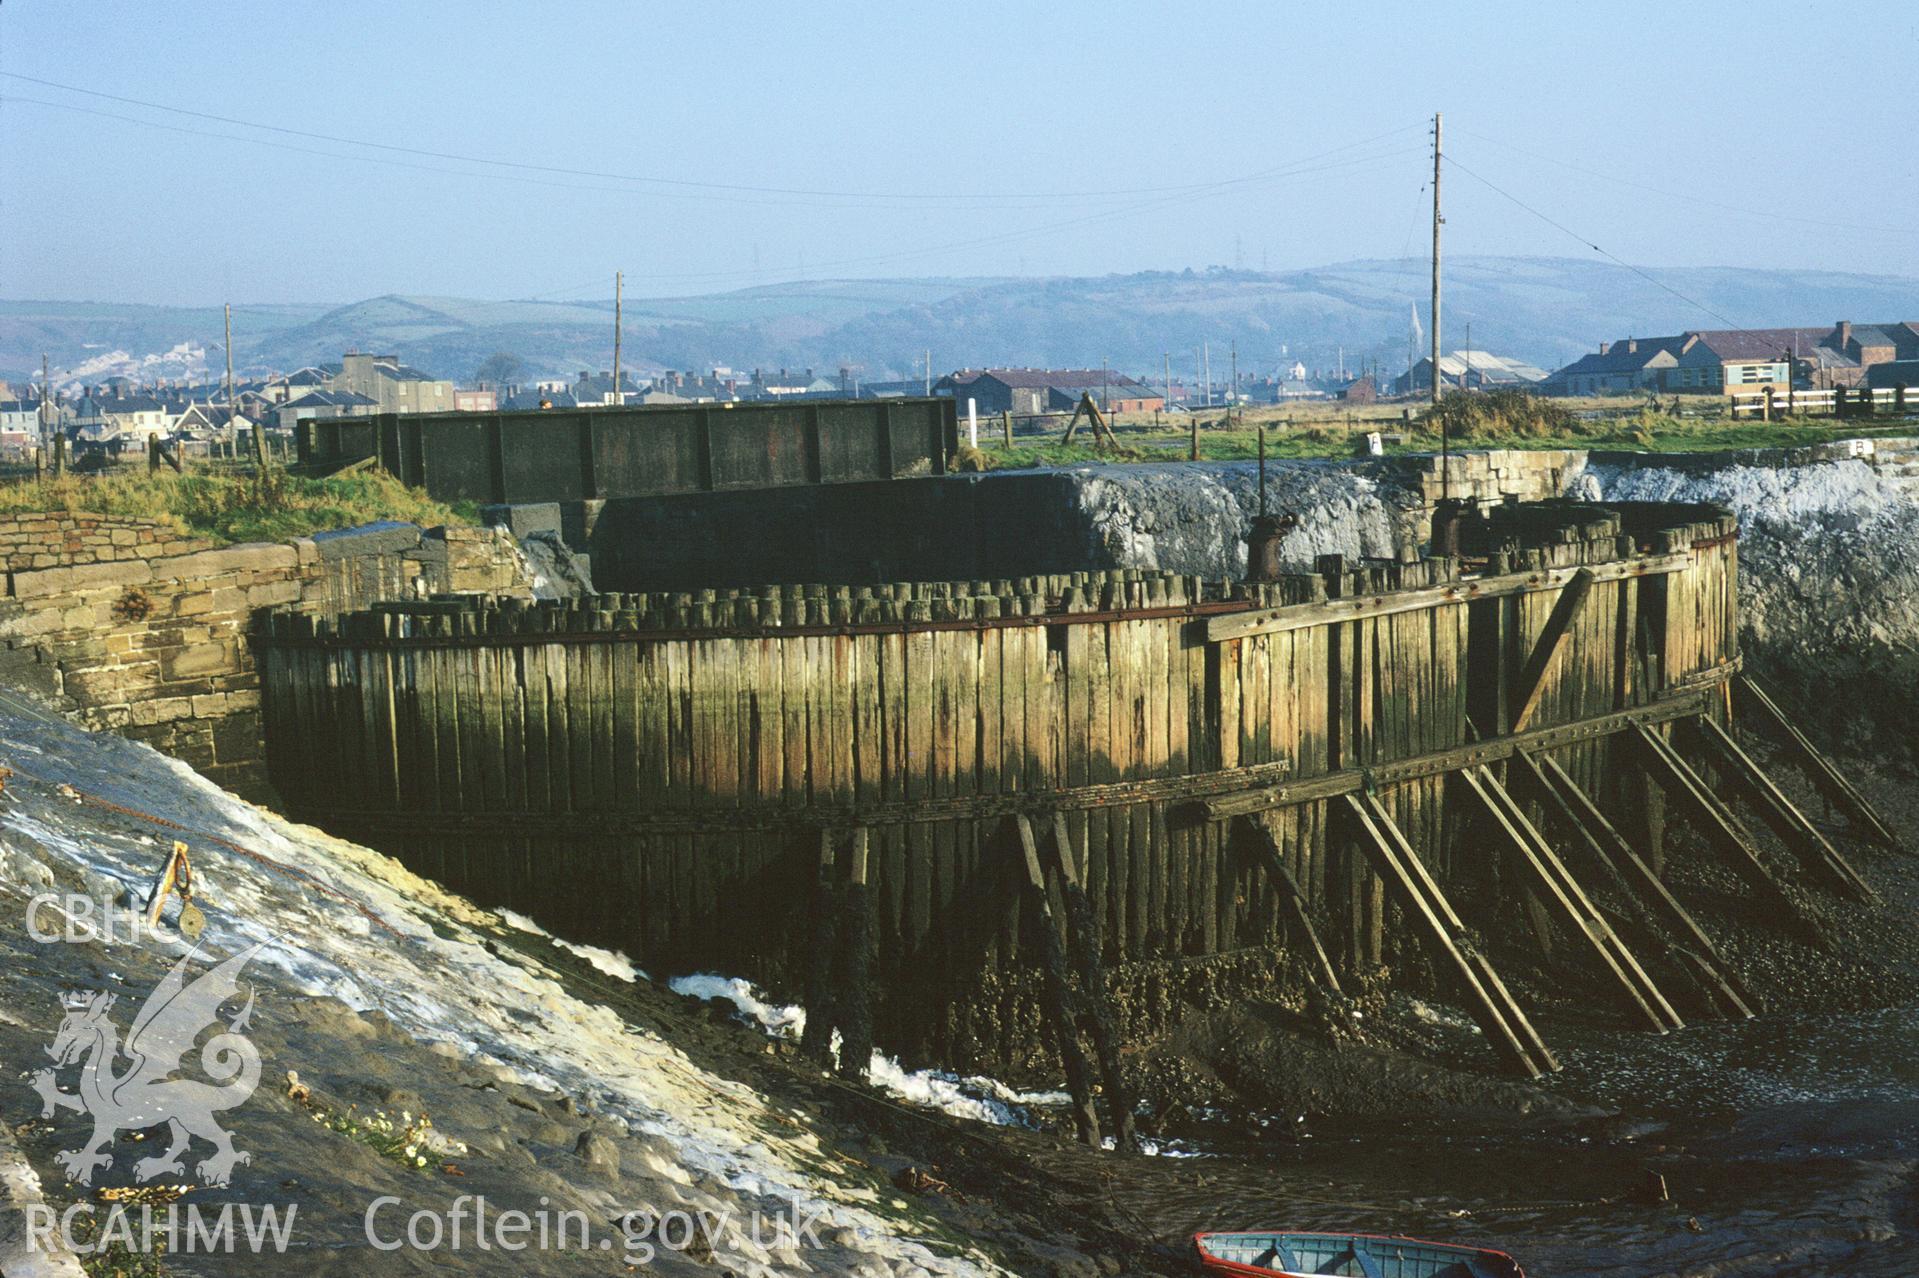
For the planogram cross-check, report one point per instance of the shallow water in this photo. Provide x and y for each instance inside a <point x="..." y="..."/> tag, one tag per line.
<point x="1788" y="1145"/>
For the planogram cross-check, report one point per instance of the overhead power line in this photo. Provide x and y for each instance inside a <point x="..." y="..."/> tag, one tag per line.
<point x="651" y="179"/>
<point x="1182" y="195"/>
<point x="517" y="178"/>
<point x="1768" y="214"/>
<point x="1453" y="163"/>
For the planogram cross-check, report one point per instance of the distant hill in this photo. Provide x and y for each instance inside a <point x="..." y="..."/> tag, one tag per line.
<point x="1543" y="310"/>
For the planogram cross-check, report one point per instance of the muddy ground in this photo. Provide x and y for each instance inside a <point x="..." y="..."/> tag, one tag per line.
<point x="1786" y="1143"/>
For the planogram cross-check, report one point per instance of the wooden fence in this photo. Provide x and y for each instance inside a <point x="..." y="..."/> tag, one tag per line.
<point x="697" y="779"/>
<point x="1894" y="401"/>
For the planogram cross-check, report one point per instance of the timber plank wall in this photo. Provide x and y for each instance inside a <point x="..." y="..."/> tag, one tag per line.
<point x="589" y="454"/>
<point x="652" y="772"/>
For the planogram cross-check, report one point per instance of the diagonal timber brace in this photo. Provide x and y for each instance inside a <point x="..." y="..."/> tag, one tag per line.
<point x="1609" y="847"/>
<point x="1716" y="821"/>
<point x="1059" y="991"/>
<point x="1487" y="999"/>
<point x="1815" y="853"/>
<point x="1832" y="783"/>
<point x="1552" y="639"/>
<point x="1557" y="888"/>
<point x="1293" y="901"/>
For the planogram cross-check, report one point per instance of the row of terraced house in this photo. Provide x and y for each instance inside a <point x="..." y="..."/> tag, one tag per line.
<point x="1724" y="361"/>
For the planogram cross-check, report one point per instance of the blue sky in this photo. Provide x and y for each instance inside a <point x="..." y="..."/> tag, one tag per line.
<point x="947" y="139"/>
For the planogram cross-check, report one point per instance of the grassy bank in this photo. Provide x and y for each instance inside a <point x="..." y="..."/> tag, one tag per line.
<point x="1477" y="421"/>
<point x="234" y="508"/>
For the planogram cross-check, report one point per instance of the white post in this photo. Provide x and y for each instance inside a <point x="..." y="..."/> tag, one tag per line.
<point x="972" y="422"/>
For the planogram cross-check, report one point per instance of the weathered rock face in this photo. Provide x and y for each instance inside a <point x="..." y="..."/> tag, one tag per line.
<point x="1829" y="587"/>
<point x="1194" y="518"/>
<point x="556" y="571"/>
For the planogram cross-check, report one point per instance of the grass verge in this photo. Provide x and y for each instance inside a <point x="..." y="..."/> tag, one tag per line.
<point x="233" y="508"/>
<point x="1496" y="420"/>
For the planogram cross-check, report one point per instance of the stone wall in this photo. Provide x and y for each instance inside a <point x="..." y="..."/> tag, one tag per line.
<point x="57" y="540"/>
<point x="136" y="629"/>
<point x="1492" y="475"/>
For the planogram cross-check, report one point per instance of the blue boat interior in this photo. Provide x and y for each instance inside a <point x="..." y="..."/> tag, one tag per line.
<point x="1350" y="1256"/>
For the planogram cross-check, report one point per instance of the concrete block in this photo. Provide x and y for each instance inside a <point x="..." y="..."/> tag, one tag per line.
<point x="578" y="519"/>
<point x="386" y="537"/>
<point x="523" y="518"/>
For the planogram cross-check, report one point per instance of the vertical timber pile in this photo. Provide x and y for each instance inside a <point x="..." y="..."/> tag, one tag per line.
<point x="654" y="772"/>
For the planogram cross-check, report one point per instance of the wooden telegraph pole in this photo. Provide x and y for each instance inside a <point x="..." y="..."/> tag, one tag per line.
<point x="49" y="423"/>
<point x="1438" y="221"/>
<point x="618" y="398"/>
<point x="1232" y="410"/>
<point x="233" y="412"/>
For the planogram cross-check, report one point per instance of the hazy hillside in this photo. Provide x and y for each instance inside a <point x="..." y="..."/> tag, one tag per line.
<point x="1546" y="310"/>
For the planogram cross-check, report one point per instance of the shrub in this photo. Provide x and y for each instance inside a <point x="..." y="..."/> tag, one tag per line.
<point x="1499" y="414"/>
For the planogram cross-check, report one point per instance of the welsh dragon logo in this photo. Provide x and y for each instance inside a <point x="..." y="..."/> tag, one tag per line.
<point x="145" y="1093"/>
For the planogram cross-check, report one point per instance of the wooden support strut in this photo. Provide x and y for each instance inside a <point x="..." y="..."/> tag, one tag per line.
<point x="839" y="971"/>
<point x="1101" y="431"/>
<point x="1059" y="996"/>
<point x="1718" y="824"/>
<point x="1818" y="856"/>
<point x="855" y="1000"/>
<point x="1293" y="901"/>
<point x="1488" y="1001"/>
<point x="1096" y="1012"/>
<point x="822" y="1011"/>
<point x="1557" y="887"/>
<point x="1831" y="782"/>
<point x="1552" y="639"/>
<point x="1604" y="841"/>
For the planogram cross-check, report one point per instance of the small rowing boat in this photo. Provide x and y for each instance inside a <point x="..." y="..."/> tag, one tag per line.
<point x="1285" y="1254"/>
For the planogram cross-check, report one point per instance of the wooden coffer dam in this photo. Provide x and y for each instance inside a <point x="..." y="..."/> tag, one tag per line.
<point x="961" y="818"/>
